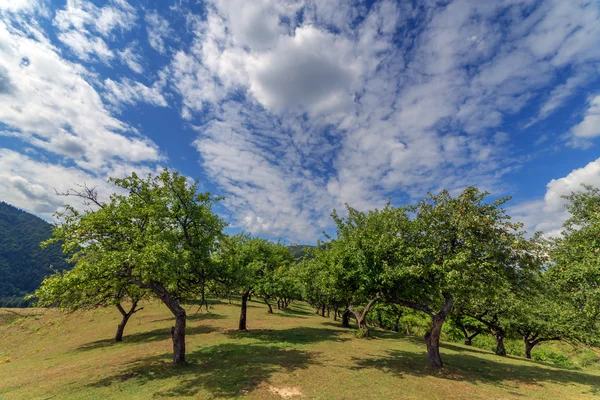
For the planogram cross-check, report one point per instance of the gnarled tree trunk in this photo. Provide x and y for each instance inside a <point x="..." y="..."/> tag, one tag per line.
<point x="361" y="317"/>
<point x="532" y="339"/>
<point x="177" y="331"/>
<point x="243" y="311"/>
<point x="432" y="339"/>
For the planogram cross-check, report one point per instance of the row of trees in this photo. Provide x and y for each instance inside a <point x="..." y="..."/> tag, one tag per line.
<point x="457" y="258"/>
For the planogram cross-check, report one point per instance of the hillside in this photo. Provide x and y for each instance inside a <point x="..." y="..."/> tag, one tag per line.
<point x="23" y="263"/>
<point x="292" y="354"/>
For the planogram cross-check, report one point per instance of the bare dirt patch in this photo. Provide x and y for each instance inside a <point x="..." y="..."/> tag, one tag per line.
<point x="286" y="392"/>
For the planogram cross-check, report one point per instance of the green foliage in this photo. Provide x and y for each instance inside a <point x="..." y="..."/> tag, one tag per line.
<point x="23" y="264"/>
<point x="557" y="357"/>
<point x="576" y="255"/>
<point x="463" y="248"/>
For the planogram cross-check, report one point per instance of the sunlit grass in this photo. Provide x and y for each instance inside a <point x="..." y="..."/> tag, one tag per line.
<point x="295" y="354"/>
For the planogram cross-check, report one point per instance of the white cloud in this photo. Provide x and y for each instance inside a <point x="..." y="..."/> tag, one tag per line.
<point x="53" y="107"/>
<point x="19" y="5"/>
<point x="157" y="29"/>
<point x="548" y="214"/>
<point x="130" y="92"/>
<point x="423" y="92"/>
<point x="312" y="70"/>
<point x="252" y="23"/>
<point x="32" y="184"/>
<point x="80" y="23"/>
<point x="132" y="58"/>
<point x="590" y="126"/>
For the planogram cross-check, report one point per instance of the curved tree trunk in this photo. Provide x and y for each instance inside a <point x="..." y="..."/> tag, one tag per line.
<point x="361" y="318"/>
<point x="177" y="331"/>
<point x="242" y="324"/>
<point x="531" y="340"/>
<point x="126" y="315"/>
<point x="432" y="339"/>
<point x="269" y="305"/>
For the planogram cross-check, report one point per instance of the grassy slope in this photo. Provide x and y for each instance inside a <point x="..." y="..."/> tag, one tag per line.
<point x="47" y="354"/>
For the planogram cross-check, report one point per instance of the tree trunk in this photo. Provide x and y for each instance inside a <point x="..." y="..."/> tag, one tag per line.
<point x="432" y="339"/>
<point x="468" y="341"/>
<point x="379" y="319"/>
<point x="126" y="315"/>
<point x="328" y="310"/>
<point x="177" y="331"/>
<point x="269" y="305"/>
<point x="178" y="336"/>
<point x="323" y="310"/>
<point x="242" y="325"/>
<point x="361" y="318"/>
<point x="346" y="318"/>
<point x="278" y="304"/>
<point x="528" y="347"/>
<point x="397" y="325"/>
<point x="335" y="313"/>
<point x="499" y="335"/>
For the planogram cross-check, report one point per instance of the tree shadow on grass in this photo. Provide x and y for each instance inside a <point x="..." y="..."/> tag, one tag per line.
<point x="470" y="367"/>
<point x="224" y="370"/>
<point x="301" y="335"/>
<point x="144" y="337"/>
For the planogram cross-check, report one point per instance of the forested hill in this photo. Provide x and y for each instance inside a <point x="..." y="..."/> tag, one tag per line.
<point x="300" y="250"/>
<point x="23" y="263"/>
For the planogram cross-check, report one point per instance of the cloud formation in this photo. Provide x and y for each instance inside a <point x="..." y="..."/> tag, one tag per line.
<point x="296" y="107"/>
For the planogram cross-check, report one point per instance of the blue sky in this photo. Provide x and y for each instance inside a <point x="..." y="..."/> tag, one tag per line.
<point x="291" y="108"/>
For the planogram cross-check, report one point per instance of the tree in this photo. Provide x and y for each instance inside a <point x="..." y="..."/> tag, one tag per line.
<point x="249" y="265"/>
<point x="157" y="233"/>
<point x="86" y="287"/>
<point x="356" y="259"/>
<point x="575" y="267"/>
<point x="461" y="249"/>
<point x="546" y="315"/>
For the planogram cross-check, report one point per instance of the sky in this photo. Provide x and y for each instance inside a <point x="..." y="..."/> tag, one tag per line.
<point x="292" y="108"/>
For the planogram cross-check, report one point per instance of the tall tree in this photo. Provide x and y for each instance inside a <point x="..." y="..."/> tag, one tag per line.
<point x="462" y="249"/>
<point x="157" y="233"/>
<point x="576" y="254"/>
<point x="365" y="244"/>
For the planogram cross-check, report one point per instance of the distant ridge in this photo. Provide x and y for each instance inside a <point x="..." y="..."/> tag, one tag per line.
<point x="23" y="263"/>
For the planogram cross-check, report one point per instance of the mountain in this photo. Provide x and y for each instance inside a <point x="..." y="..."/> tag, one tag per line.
<point x="23" y="263"/>
<point x="300" y="250"/>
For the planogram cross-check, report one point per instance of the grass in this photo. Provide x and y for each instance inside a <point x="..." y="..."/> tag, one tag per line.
<point x="294" y="354"/>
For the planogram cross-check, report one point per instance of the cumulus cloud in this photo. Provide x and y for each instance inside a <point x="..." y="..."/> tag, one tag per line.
<point x="590" y="126"/>
<point x="424" y="92"/>
<point x="312" y="70"/>
<point x="32" y="184"/>
<point x="53" y="107"/>
<point x="548" y="214"/>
